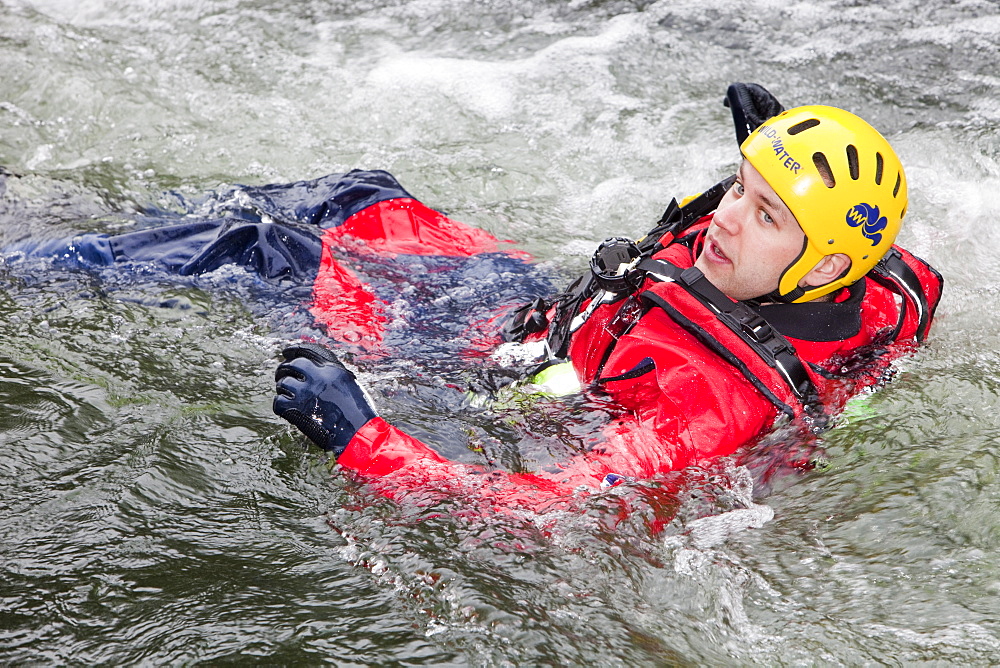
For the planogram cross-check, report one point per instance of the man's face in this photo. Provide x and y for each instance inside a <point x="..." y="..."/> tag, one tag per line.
<point x="752" y="239"/>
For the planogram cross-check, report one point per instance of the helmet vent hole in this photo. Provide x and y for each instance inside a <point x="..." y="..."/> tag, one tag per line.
<point x="823" y="167"/>
<point x="879" y="164"/>
<point x="852" y="161"/>
<point x="899" y="182"/>
<point x="803" y="126"/>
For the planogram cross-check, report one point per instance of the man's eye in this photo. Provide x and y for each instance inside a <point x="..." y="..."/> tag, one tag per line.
<point x="739" y="188"/>
<point x="767" y="218"/>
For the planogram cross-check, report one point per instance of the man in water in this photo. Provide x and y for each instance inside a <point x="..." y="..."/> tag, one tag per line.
<point x="777" y="292"/>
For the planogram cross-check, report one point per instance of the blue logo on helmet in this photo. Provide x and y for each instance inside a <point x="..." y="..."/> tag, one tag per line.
<point x="867" y="217"/>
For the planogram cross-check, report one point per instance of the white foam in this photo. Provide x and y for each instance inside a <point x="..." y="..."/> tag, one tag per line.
<point x="490" y="88"/>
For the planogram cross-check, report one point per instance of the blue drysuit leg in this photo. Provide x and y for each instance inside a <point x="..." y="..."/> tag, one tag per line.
<point x="269" y="230"/>
<point x="271" y="250"/>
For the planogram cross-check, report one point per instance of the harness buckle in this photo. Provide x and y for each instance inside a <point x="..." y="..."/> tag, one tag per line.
<point x="754" y="326"/>
<point x="760" y="331"/>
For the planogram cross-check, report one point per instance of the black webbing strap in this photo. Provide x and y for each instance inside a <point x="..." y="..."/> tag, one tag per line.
<point x="567" y="306"/>
<point x="767" y="342"/>
<point x="892" y="269"/>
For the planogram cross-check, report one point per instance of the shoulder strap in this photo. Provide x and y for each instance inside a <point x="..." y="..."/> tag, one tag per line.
<point x="764" y="340"/>
<point x="893" y="272"/>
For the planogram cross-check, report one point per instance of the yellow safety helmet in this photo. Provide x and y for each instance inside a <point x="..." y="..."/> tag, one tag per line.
<point x="842" y="182"/>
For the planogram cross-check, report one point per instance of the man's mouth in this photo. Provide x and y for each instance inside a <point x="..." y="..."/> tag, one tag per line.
<point x="715" y="253"/>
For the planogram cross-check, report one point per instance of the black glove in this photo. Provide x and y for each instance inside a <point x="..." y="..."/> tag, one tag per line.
<point x="751" y="105"/>
<point x="320" y="397"/>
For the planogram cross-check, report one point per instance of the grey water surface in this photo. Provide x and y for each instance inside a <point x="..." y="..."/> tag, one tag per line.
<point x="154" y="512"/>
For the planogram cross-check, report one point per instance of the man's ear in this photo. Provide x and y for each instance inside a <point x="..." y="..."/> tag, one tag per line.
<point x="827" y="270"/>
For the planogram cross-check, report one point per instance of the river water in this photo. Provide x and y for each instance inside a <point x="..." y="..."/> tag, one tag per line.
<point x="153" y="510"/>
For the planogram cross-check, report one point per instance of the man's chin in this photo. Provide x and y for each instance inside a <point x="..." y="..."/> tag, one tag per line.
<point x="712" y="274"/>
<point x="725" y="284"/>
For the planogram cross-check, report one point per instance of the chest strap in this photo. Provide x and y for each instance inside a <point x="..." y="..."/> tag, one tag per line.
<point x="769" y="344"/>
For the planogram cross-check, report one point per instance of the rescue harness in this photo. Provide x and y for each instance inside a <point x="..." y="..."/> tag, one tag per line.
<point x="620" y="267"/>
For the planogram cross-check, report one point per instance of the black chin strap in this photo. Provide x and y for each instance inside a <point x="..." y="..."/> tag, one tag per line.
<point x="783" y="299"/>
<point x="789" y="297"/>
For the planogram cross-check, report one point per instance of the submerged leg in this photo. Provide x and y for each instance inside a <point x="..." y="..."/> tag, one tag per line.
<point x="241" y="230"/>
<point x="270" y="250"/>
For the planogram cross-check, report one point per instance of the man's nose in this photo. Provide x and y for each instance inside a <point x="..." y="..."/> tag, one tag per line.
<point x="729" y="217"/>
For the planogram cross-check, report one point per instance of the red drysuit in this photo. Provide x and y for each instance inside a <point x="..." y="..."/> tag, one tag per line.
<point x="683" y="401"/>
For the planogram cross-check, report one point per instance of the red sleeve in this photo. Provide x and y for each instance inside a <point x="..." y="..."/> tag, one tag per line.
<point x="403" y="468"/>
<point x="690" y="406"/>
<point x="663" y="437"/>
